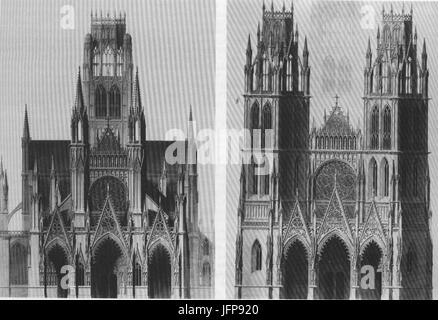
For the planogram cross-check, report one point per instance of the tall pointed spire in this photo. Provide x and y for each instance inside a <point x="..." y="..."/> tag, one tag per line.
<point x="258" y="32"/>
<point x="136" y="101"/>
<point x="305" y="54"/>
<point x="248" y="47"/>
<point x="424" y="56"/>
<point x="305" y="50"/>
<point x="79" y="100"/>
<point x="26" y="133"/>
<point x="5" y="182"/>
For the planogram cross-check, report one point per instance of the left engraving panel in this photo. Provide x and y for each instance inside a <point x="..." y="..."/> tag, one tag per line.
<point x="103" y="193"/>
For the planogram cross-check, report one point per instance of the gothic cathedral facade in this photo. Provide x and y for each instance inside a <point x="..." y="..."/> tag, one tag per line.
<point x="107" y="204"/>
<point x="322" y="208"/>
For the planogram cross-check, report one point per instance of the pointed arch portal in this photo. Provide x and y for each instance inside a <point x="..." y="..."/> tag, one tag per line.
<point x="334" y="270"/>
<point x="159" y="275"/>
<point x="56" y="259"/>
<point x="106" y="269"/>
<point x="372" y="256"/>
<point x="295" y="271"/>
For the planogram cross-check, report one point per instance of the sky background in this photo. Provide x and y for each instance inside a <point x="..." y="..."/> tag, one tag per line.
<point x="173" y="47"/>
<point x="333" y="29"/>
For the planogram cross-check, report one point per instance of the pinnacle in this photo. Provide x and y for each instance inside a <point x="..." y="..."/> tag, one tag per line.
<point x="26" y="133"/>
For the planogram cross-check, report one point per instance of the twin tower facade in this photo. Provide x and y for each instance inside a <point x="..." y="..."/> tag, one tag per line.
<point x="106" y="204"/>
<point x="335" y="212"/>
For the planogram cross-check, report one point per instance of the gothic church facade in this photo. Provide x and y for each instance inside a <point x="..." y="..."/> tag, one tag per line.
<point x="106" y="204"/>
<point x="320" y="208"/>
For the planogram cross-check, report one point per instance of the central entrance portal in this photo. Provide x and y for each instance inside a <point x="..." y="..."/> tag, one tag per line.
<point x="159" y="279"/>
<point x="105" y="269"/>
<point x="334" y="271"/>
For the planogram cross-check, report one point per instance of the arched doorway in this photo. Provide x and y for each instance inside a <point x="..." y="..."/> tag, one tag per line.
<point x="334" y="270"/>
<point x="372" y="256"/>
<point x="56" y="259"/>
<point x="159" y="279"/>
<point x="295" y="272"/>
<point x="106" y="265"/>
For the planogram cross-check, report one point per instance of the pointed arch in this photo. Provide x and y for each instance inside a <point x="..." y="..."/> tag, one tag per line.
<point x="206" y="275"/>
<point x="266" y="125"/>
<point x="108" y="62"/>
<point x="289" y="73"/>
<point x="387" y="128"/>
<point x="256" y="256"/>
<point x="205" y="247"/>
<point x="265" y="73"/>
<point x="254" y="176"/>
<point x="384" y="173"/>
<point x="373" y="176"/>
<point x="295" y="270"/>
<point x="97" y="67"/>
<point x="372" y="255"/>
<point x="375" y="128"/>
<point x="334" y="267"/>
<point x="254" y="123"/>
<point x="115" y="102"/>
<point x="119" y="63"/>
<point x="18" y="264"/>
<point x="408" y="73"/>
<point x="100" y="102"/>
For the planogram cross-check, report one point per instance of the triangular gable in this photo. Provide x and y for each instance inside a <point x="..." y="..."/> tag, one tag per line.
<point x="108" y="222"/>
<point x="334" y="217"/>
<point x="373" y="225"/>
<point x="297" y="224"/>
<point x="160" y="230"/>
<point x="57" y="230"/>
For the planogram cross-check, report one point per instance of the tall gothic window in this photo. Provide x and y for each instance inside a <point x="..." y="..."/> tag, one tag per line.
<point x="205" y="248"/>
<point x="206" y="275"/>
<point x="289" y="74"/>
<point x="267" y="125"/>
<point x="100" y="102"/>
<point x="408" y="88"/>
<point x="255" y="177"/>
<point x="385" y="167"/>
<point x="375" y="128"/>
<point x="97" y="63"/>
<point x="254" y="125"/>
<point x="18" y="264"/>
<point x="373" y="177"/>
<point x="387" y="128"/>
<point x="108" y="62"/>
<point x="119" y="64"/>
<point x="384" y="74"/>
<point x="266" y="175"/>
<point x="114" y="102"/>
<point x="265" y="73"/>
<point x="256" y="256"/>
